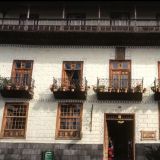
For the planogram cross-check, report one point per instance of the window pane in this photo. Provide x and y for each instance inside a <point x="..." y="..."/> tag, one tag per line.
<point x="67" y="66"/>
<point x="15" y="120"/>
<point x="28" y="65"/>
<point x="125" y="65"/>
<point x="115" y="65"/>
<point x="18" y="64"/>
<point x="70" y="120"/>
<point x="78" y="66"/>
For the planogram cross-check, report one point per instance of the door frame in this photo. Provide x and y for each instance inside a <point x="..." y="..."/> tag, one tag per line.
<point x="105" y="129"/>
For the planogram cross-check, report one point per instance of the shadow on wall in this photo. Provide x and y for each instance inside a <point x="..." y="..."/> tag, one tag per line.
<point x="152" y="152"/>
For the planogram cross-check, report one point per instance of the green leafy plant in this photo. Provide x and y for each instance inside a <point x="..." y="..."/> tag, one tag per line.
<point x="101" y="87"/>
<point x="138" y="88"/>
<point x="4" y="82"/>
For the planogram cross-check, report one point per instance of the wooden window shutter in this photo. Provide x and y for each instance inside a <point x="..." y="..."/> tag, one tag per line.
<point x="120" y="53"/>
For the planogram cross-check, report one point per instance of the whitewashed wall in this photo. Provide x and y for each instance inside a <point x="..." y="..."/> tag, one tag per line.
<point x="41" y="123"/>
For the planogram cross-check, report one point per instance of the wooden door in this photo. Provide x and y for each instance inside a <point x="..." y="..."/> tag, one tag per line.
<point x="72" y="74"/>
<point x="22" y="72"/>
<point x="120" y="75"/>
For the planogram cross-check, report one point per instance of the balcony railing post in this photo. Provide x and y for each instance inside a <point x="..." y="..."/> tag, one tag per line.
<point x="142" y="82"/>
<point x="86" y="85"/>
<point x="97" y="82"/>
<point x="155" y="83"/>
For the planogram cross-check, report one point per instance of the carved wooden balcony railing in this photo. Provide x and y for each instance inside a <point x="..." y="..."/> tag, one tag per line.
<point x="156" y="89"/>
<point x="80" y="25"/>
<point x="109" y="89"/>
<point x="17" y="87"/>
<point x="69" y="89"/>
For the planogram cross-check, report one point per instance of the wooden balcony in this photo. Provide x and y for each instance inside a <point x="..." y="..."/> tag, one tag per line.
<point x="108" y="89"/>
<point x="80" y="25"/>
<point x="156" y="89"/>
<point x="17" y="87"/>
<point x="66" y="89"/>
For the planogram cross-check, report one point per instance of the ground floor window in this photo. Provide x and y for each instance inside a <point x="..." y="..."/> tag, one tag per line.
<point x="69" y="121"/>
<point x="15" y="120"/>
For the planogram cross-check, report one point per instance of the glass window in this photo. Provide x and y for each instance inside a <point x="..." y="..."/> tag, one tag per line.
<point x="69" y="121"/>
<point x="15" y="117"/>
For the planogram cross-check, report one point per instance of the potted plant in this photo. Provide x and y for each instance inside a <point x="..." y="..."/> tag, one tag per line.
<point x="94" y="88"/>
<point x="153" y="88"/>
<point x="117" y="90"/>
<point x="101" y="88"/>
<point x="125" y="90"/>
<point x="144" y="90"/>
<point x="26" y="87"/>
<point x="109" y="89"/>
<point x="6" y="83"/>
<point x="138" y="88"/>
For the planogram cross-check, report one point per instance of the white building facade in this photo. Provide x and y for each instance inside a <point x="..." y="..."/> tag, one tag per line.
<point x="73" y="127"/>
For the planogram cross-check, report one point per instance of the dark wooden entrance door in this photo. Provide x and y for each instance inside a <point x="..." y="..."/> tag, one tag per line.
<point x="120" y="135"/>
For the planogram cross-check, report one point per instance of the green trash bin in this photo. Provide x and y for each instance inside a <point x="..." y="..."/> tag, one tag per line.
<point x="48" y="155"/>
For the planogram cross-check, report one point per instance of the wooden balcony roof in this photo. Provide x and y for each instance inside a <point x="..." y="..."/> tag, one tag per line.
<point x="80" y="32"/>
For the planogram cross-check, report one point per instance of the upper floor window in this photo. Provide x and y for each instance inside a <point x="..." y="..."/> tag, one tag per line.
<point x="72" y="73"/>
<point x="15" y="120"/>
<point x="69" y="121"/>
<point x="22" y="72"/>
<point x="120" y="73"/>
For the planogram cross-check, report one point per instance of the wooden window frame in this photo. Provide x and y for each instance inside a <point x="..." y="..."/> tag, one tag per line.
<point x="16" y="60"/>
<point x="71" y="62"/>
<point x="110" y="68"/>
<point x="21" y="69"/>
<point x="63" y="83"/>
<point x="4" y="120"/>
<point x="58" y="122"/>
